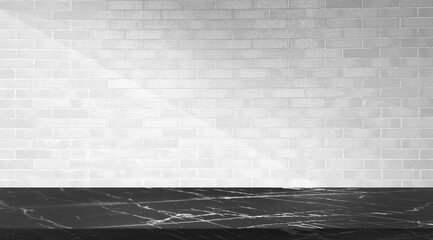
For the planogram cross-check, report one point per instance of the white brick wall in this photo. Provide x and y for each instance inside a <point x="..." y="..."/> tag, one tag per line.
<point x="242" y="93"/>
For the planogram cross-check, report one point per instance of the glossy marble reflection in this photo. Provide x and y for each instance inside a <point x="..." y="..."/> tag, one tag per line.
<point x="206" y="208"/>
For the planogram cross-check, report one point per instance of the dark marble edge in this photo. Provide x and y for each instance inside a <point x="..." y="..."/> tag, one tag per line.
<point x="259" y="189"/>
<point x="112" y="211"/>
<point x="215" y="234"/>
<point x="229" y="188"/>
<point x="157" y="187"/>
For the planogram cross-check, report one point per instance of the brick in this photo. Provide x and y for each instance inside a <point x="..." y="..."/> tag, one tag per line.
<point x="218" y="34"/>
<point x="33" y="113"/>
<point x="425" y="12"/>
<point x="399" y="133"/>
<point x="307" y="4"/>
<point x="87" y="143"/>
<point x="401" y="174"/>
<point x="251" y="173"/>
<point x="324" y="92"/>
<point x="426" y="154"/>
<point x="250" y="14"/>
<point x="416" y="3"/>
<point x="281" y="34"/>
<point x="71" y="15"/>
<point x="381" y="3"/>
<point x="306" y="63"/>
<point x="214" y="153"/>
<point x="124" y="24"/>
<point x="233" y="44"/>
<point x="425" y="72"/>
<point x="361" y="32"/>
<point x="417" y="164"/>
<point x="270" y="123"/>
<point x="273" y="163"/>
<point x="250" y="133"/>
<point x="400" y="12"/>
<point x="399" y="92"/>
<point x="71" y="35"/>
<point x="16" y="123"/>
<point x="139" y="173"/>
<point x="416" y="102"/>
<point x="400" y="112"/>
<point x="308" y="103"/>
<point x="362" y="153"/>
<point x="344" y="143"/>
<point x="215" y="173"/>
<point x="233" y="63"/>
<point x="269" y="142"/>
<point x="91" y="123"/>
<point x="343" y="23"/>
<point x="269" y="23"/>
<point x="344" y="123"/>
<point x="306" y="123"/>
<point x="160" y="143"/>
<point x="325" y="153"/>
<point x="324" y="133"/>
<point x="417" y="22"/>
<point x="16" y="5"/>
<point x="9" y="34"/>
<point x="306" y="143"/>
<point x="193" y="182"/>
<point x="417" y="143"/>
<point x="51" y="144"/>
<point x="382" y="123"/>
<point x="233" y="123"/>
<point x="276" y="112"/>
<point x="269" y="63"/>
<point x="7" y="113"/>
<point x="125" y="5"/>
<point x="287" y="13"/>
<point x="400" y="154"/>
<point x="197" y="163"/>
<point x="89" y="5"/>
<point x="16" y="103"/>
<point x="307" y="43"/>
<point x="324" y="33"/>
<point x="352" y="164"/>
<point x="417" y="123"/>
<point x="32" y="174"/>
<point x="426" y="112"/>
<point x="382" y="143"/>
<point x="382" y="22"/>
<point x="323" y="53"/>
<point x="360" y="53"/>
<point x="52" y="5"/>
<point x="389" y="164"/>
<point x="344" y="3"/>
<point x="233" y="4"/>
<point x="361" y="133"/>
<point x="124" y="123"/>
<point x="187" y="4"/>
<point x="343" y="43"/>
<point x="32" y="154"/>
<point x="305" y="23"/>
<point x="269" y="3"/>
<point x="374" y="43"/>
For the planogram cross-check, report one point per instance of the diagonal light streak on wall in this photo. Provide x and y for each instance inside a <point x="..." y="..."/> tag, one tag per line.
<point x="113" y="77"/>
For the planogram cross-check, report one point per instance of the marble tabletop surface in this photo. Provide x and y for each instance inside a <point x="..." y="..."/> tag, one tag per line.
<point x="210" y="209"/>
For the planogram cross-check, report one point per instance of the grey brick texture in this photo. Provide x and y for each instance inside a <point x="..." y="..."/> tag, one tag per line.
<point x="206" y="93"/>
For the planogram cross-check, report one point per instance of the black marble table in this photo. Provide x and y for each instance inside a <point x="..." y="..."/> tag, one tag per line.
<point x="207" y="213"/>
